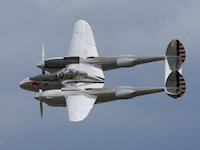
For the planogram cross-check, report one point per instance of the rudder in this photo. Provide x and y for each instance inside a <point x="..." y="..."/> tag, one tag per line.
<point x="175" y="55"/>
<point x="175" y="85"/>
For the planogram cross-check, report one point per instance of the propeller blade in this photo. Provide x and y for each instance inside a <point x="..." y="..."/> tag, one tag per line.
<point x="43" y="53"/>
<point x="41" y="105"/>
<point x="41" y="64"/>
<point x="43" y="57"/>
<point x="41" y="109"/>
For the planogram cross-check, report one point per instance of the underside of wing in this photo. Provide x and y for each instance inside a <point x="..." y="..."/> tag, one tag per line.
<point x="79" y="106"/>
<point x="83" y="43"/>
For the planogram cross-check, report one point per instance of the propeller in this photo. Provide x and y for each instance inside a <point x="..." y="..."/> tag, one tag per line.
<point x="41" y="64"/>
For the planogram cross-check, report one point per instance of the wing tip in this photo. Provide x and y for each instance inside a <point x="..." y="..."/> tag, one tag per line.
<point x="76" y="119"/>
<point x="82" y="21"/>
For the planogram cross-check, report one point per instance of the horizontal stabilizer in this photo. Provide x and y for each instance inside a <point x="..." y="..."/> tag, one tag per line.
<point x="175" y="85"/>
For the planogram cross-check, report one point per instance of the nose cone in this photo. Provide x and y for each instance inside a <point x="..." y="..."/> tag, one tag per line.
<point x="36" y="97"/>
<point x="40" y="65"/>
<point x="24" y="84"/>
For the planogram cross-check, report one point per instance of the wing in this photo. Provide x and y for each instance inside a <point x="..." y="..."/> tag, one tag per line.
<point x="79" y="106"/>
<point x="83" y="43"/>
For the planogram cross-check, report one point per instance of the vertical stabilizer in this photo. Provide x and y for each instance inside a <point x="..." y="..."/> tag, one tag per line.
<point x="174" y="82"/>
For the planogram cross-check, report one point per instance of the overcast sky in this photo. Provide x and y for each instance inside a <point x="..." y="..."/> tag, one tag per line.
<point x="136" y="27"/>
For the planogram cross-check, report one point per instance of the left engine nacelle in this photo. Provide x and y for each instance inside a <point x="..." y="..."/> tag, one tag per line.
<point x="55" y="64"/>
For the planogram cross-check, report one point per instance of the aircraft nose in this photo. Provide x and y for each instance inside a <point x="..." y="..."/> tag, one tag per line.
<point x="24" y="83"/>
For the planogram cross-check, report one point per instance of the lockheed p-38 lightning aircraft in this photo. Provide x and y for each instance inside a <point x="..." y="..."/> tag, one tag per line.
<point x="77" y="80"/>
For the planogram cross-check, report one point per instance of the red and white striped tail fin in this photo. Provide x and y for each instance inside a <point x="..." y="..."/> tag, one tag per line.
<point x="175" y="85"/>
<point x="174" y="82"/>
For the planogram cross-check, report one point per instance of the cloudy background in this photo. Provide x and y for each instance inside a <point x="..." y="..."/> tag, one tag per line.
<point x="137" y="27"/>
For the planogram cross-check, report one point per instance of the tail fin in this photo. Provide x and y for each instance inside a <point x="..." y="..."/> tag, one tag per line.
<point x="175" y="85"/>
<point x="174" y="81"/>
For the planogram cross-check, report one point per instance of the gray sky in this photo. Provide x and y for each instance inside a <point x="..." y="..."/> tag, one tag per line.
<point x="136" y="27"/>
